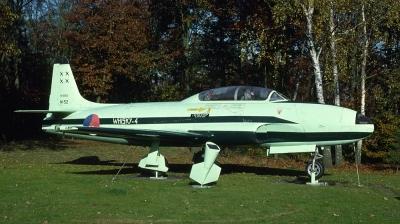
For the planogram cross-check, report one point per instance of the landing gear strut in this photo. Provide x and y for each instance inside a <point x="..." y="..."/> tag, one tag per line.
<point x="315" y="169"/>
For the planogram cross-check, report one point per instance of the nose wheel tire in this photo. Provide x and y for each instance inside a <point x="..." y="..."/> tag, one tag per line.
<point x="318" y="168"/>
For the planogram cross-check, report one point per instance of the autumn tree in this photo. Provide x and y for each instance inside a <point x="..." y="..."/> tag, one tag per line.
<point x="335" y="71"/>
<point x="111" y="45"/>
<point x="302" y="15"/>
<point x="370" y="44"/>
<point x="51" y="26"/>
<point x="219" y="46"/>
<point x="22" y="85"/>
<point x="394" y="150"/>
<point x="12" y="42"/>
<point x="261" y="45"/>
<point x="177" y="27"/>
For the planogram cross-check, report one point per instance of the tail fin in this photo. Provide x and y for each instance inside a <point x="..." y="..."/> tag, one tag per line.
<point x="64" y="95"/>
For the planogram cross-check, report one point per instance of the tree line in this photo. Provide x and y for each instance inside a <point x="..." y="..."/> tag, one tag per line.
<point x="338" y="52"/>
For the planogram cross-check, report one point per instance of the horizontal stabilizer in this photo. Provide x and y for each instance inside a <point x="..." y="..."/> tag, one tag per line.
<point x="45" y="111"/>
<point x="54" y="113"/>
<point x="203" y="175"/>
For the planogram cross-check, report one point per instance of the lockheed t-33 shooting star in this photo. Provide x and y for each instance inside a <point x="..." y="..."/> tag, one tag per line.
<point x="226" y="116"/>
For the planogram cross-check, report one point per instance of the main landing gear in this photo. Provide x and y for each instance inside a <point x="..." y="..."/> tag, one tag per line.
<point x="203" y="172"/>
<point x="315" y="169"/>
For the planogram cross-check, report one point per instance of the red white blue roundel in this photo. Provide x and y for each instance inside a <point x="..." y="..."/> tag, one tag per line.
<point x="92" y="121"/>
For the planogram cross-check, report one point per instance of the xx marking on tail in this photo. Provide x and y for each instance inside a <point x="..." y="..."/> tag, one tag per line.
<point x="62" y="80"/>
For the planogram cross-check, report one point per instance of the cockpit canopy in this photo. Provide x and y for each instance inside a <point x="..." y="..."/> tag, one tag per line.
<point x="241" y="93"/>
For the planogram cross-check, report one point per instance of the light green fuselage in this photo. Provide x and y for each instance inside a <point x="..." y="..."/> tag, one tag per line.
<point x="240" y="123"/>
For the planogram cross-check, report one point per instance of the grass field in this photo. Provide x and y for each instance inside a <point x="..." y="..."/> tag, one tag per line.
<point x="71" y="182"/>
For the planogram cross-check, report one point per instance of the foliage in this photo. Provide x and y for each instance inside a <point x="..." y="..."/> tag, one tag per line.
<point x="21" y="84"/>
<point x="113" y="39"/>
<point x="394" y="149"/>
<point x="386" y="119"/>
<point x="129" y="51"/>
<point x="380" y="142"/>
<point x="9" y="47"/>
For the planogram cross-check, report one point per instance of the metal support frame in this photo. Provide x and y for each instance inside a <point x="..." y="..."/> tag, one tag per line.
<point x="115" y="177"/>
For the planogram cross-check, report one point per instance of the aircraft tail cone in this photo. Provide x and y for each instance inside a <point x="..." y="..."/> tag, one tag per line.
<point x="207" y="172"/>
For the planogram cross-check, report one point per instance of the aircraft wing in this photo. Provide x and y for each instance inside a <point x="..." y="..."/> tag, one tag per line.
<point x="143" y="134"/>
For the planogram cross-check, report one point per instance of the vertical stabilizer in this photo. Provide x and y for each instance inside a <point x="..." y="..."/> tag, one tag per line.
<point x="64" y="95"/>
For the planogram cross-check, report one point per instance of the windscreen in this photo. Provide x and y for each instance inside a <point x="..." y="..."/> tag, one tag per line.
<point x="235" y="93"/>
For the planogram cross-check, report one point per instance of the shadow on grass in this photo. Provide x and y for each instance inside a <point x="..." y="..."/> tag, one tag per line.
<point x="91" y="160"/>
<point x="31" y="145"/>
<point x="233" y="168"/>
<point x="131" y="168"/>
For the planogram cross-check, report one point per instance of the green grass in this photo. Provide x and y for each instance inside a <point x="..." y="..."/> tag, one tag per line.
<point x="72" y="182"/>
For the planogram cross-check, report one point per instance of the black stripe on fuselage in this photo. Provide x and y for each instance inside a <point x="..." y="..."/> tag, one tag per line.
<point x="233" y="137"/>
<point x="175" y="120"/>
<point x="228" y="138"/>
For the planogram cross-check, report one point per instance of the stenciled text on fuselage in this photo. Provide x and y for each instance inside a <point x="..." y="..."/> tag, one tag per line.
<point x="126" y="120"/>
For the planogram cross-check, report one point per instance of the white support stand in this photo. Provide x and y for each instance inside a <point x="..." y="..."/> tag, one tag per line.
<point x="158" y="177"/>
<point x="313" y="182"/>
<point x="206" y="172"/>
<point x="201" y="186"/>
<point x="154" y="162"/>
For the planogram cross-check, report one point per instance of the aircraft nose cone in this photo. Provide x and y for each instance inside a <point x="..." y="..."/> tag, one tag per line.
<point x="361" y="119"/>
<point x="365" y="124"/>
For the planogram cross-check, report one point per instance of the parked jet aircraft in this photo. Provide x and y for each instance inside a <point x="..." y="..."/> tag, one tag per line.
<point x="227" y="116"/>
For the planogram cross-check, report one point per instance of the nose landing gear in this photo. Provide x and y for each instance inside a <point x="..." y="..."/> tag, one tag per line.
<point x="315" y="169"/>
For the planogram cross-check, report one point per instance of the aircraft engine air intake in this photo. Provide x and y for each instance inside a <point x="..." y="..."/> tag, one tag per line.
<point x="207" y="172"/>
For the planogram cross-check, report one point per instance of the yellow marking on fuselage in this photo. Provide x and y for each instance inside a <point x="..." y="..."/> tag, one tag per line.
<point x="197" y="109"/>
